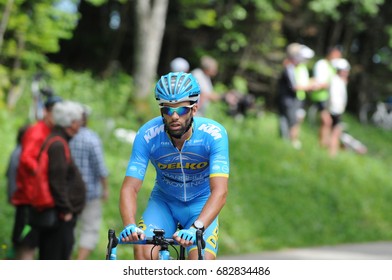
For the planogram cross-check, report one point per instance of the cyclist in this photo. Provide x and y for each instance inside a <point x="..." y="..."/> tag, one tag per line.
<point x="191" y="158"/>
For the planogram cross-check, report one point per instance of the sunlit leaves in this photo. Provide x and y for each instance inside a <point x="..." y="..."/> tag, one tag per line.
<point x="232" y="41"/>
<point x="330" y="7"/>
<point x="34" y="29"/>
<point x="206" y="17"/>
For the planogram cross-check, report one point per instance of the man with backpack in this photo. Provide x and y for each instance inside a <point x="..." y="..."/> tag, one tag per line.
<point x="24" y="238"/>
<point x="65" y="185"/>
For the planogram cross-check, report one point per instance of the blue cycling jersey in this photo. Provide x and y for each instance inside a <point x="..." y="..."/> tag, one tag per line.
<point x="184" y="174"/>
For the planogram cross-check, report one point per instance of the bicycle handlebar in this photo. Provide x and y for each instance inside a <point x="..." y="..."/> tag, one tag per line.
<point x="158" y="240"/>
<point x="201" y="243"/>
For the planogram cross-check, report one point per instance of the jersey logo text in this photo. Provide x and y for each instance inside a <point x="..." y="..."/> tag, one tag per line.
<point x="211" y="129"/>
<point x="152" y="132"/>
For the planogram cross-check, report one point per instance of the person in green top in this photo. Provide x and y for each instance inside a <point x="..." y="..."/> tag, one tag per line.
<point x="293" y="84"/>
<point x="323" y="71"/>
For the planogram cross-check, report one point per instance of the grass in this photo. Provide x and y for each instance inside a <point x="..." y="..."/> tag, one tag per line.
<point x="279" y="197"/>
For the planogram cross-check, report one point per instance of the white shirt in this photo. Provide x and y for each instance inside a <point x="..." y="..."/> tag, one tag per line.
<point x="322" y="71"/>
<point x="206" y="89"/>
<point x="337" y="96"/>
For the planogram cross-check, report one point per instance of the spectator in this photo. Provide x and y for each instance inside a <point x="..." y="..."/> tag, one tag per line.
<point x="87" y="152"/>
<point x="337" y="102"/>
<point x="66" y="185"/>
<point x="14" y="163"/>
<point x="179" y="64"/>
<point x="208" y="69"/>
<point x="24" y="238"/>
<point x="293" y="84"/>
<point x="323" y="72"/>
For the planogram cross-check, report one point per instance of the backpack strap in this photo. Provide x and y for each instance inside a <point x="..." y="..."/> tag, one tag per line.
<point x="50" y="140"/>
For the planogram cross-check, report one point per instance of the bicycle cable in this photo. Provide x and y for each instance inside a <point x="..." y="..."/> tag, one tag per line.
<point x="167" y="243"/>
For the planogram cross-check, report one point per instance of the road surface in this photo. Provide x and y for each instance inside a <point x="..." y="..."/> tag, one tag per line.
<point x="363" y="251"/>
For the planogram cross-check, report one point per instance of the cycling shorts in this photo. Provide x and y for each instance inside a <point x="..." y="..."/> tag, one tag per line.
<point x="163" y="212"/>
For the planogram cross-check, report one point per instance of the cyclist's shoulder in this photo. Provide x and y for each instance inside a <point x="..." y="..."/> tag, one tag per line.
<point x="208" y="126"/>
<point x="199" y="121"/>
<point x="151" y="129"/>
<point x="157" y="121"/>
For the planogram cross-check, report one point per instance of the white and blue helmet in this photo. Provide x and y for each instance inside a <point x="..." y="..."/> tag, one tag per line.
<point x="177" y="87"/>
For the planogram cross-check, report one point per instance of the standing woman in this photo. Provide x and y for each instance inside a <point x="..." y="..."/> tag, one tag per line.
<point x="337" y="102"/>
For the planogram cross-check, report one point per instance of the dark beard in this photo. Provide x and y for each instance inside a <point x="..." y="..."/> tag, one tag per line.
<point x="179" y="133"/>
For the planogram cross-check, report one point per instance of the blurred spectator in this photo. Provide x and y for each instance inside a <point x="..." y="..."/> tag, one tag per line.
<point x="293" y="84"/>
<point x="208" y="69"/>
<point x="238" y="103"/>
<point x="24" y="238"/>
<point x="14" y="163"/>
<point x="66" y="185"/>
<point x="337" y="102"/>
<point x="87" y="152"/>
<point x="179" y="64"/>
<point x="323" y="72"/>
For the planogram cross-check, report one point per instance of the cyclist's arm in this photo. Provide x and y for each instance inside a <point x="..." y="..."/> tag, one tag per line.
<point x="128" y="202"/>
<point x="219" y="175"/>
<point x="216" y="201"/>
<point x="213" y="206"/>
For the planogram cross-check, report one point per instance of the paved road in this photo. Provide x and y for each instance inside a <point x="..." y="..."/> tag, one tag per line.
<point x="365" y="251"/>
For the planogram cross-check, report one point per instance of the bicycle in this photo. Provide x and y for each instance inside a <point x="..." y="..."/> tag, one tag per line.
<point x="158" y="239"/>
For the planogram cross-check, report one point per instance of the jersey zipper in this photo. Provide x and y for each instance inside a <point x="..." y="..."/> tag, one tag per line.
<point x="182" y="168"/>
<point x="183" y="174"/>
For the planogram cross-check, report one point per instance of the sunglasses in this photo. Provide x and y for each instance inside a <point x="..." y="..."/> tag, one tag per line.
<point x="181" y="111"/>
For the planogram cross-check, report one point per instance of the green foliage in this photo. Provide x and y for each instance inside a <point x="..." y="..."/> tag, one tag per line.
<point x="240" y="84"/>
<point x="34" y="29"/>
<point x="289" y="198"/>
<point x="201" y="17"/>
<point x="267" y="11"/>
<point x="330" y="8"/>
<point x="98" y="2"/>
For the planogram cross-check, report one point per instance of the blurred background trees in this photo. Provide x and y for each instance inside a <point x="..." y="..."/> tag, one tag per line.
<point x="140" y="37"/>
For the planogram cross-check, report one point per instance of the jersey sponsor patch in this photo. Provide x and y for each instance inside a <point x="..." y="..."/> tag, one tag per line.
<point x="153" y="132"/>
<point x="211" y="129"/>
<point x="186" y="165"/>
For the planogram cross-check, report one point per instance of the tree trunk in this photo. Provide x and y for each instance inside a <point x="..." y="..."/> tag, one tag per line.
<point x="17" y="81"/>
<point x="151" y="19"/>
<point x="4" y="21"/>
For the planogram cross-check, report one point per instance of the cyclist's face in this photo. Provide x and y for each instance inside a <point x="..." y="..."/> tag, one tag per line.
<point x="178" y="116"/>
